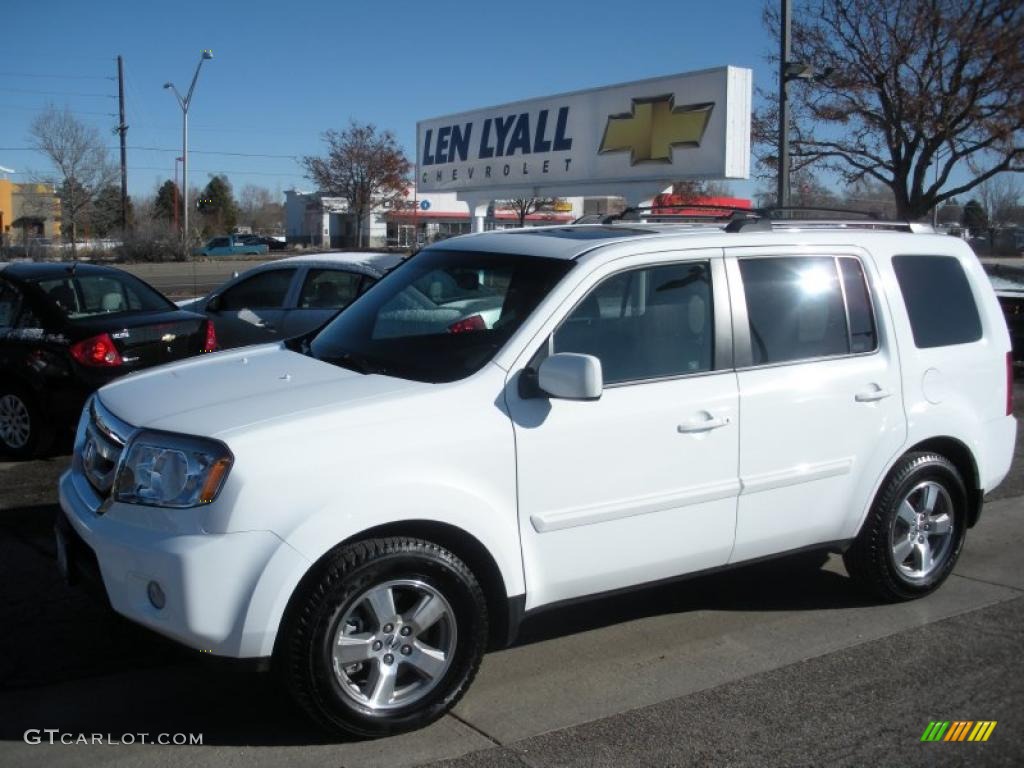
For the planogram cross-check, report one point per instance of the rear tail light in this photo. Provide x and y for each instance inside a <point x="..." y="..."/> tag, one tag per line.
<point x="1009" y="383"/>
<point x="471" y="323"/>
<point x="210" y="343"/>
<point x="97" y="352"/>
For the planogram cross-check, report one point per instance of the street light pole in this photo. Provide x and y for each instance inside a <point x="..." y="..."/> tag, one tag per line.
<point x="184" y="103"/>
<point x="782" y="191"/>
<point x="177" y="205"/>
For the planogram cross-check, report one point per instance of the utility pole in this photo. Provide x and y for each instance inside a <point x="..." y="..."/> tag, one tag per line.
<point x="122" y="129"/>
<point x="782" y="191"/>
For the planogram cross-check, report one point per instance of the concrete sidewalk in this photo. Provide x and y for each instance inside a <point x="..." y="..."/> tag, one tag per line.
<point x="865" y="706"/>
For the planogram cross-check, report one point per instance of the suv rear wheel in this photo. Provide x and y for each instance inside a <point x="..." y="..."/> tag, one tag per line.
<point x="385" y="638"/>
<point x="914" y="532"/>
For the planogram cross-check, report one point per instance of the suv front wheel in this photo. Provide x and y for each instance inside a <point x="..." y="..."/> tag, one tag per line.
<point x="385" y="638"/>
<point x="914" y="531"/>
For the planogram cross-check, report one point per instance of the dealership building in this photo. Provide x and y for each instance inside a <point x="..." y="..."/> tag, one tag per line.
<point x="319" y="220"/>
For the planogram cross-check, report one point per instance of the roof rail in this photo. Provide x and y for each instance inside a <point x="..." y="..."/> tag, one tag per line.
<point x="634" y="213"/>
<point x="739" y="219"/>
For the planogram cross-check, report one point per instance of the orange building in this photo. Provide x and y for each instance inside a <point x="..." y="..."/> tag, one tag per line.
<point x="28" y="212"/>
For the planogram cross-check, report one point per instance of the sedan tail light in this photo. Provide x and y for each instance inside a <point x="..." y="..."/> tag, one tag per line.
<point x="471" y="323"/>
<point x="210" y="343"/>
<point x="97" y="352"/>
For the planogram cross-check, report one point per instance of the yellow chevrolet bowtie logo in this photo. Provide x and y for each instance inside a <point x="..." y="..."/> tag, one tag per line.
<point x="653" y="127"/>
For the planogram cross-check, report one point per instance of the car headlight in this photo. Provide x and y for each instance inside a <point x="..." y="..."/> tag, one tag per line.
<point x="162" y="469"/>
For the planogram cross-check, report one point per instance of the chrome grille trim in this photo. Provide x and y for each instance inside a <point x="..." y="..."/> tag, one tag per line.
<point x="104" y="441"/>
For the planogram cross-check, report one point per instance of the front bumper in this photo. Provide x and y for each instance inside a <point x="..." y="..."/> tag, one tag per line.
<point x="224" y="593"/>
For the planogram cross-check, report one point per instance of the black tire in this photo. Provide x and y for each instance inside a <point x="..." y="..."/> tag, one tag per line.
<point x="15" y="398"/>
<point x="336" y="588"/>
<point x="871" y="560"/>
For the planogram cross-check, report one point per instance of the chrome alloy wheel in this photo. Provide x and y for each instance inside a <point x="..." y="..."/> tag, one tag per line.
<point x="922" y="531"/>
<point x="394" y="644"/>
<point x="15" y="424"/>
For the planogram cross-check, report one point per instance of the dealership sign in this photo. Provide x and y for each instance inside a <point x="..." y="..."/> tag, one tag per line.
<point x="687" y="126"/>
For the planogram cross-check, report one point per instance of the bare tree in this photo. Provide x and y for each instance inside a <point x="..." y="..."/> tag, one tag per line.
<point x="950" y="212"/>
<point x="524" y="206"/>
<point x="363" y="165"/>
<point x="872" y="197"/>
<point x="916" y="89"/>
<point x="258" y="209"/>
<point x="79" y="158"/>
<point x="1000" y="196"/>
<point x="696" y="189"/>
<point x="807" y="190"/>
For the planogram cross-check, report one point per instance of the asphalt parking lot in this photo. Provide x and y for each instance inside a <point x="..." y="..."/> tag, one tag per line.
<point x="179" y="280"/>
<point x="775" y="664"/>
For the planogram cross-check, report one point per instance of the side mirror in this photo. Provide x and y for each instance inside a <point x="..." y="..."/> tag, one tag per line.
<point x="570" y="376"/>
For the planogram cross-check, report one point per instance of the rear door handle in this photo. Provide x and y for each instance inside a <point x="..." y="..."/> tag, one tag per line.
<point x="703" y="425"/>
<point x="872" y="395"/>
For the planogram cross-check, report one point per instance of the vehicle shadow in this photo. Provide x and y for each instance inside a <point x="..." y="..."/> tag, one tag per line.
<point x="797" y="582"/>
<point x="69" y="663"/>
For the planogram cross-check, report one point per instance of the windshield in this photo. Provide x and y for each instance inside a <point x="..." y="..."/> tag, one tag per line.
<point x="440" y="316"/>
<point x="79" y="296"/>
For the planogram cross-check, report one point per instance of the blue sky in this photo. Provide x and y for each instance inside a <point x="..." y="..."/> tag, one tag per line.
<point x="284" y="72"/>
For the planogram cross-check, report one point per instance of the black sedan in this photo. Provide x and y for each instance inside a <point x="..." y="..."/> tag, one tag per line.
<point x="68" y="329"/>
<point x="272" y="243"/>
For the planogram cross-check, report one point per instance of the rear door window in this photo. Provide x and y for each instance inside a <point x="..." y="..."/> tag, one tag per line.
<point x="329" y="289"/>
<point x="939" y="301"/>
<point x="264" y="290"/>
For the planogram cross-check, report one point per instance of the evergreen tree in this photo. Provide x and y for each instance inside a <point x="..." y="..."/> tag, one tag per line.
<point x="217" y="208"/>
<point x="105" y="212"/>
<point x="163" y="205"/>
<point x="975" y="219"/>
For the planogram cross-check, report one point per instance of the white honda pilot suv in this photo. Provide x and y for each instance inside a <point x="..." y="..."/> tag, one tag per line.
<point x="511" y="420"/>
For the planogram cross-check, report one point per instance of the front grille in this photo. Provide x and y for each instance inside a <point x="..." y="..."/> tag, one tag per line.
<point x="105" y="437"/>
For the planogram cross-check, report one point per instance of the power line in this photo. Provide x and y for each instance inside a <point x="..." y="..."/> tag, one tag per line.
<point x="57" y="93"/>
<point x="213" y="152"/>
<point x="217" y="129"/>
<point x="177" y="149"/>
<point x="197" y="170"/>
<point x="216" y="173"/>
<point x="55" y="77"/>
<point x="77" y="112"/>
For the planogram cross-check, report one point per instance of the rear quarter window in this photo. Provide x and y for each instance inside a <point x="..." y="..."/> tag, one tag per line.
<point x="939" y="301"/>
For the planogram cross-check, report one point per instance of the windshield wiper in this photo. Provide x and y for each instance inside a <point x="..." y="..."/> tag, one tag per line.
<point x="357" y="363"/>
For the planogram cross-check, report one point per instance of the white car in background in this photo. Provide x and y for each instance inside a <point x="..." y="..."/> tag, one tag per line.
<point x="572" y="411"/>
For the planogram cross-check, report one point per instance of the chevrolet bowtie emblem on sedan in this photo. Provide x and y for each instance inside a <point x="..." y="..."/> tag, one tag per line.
<point x="653" y="127"/>
<point x="167" y="338"/>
